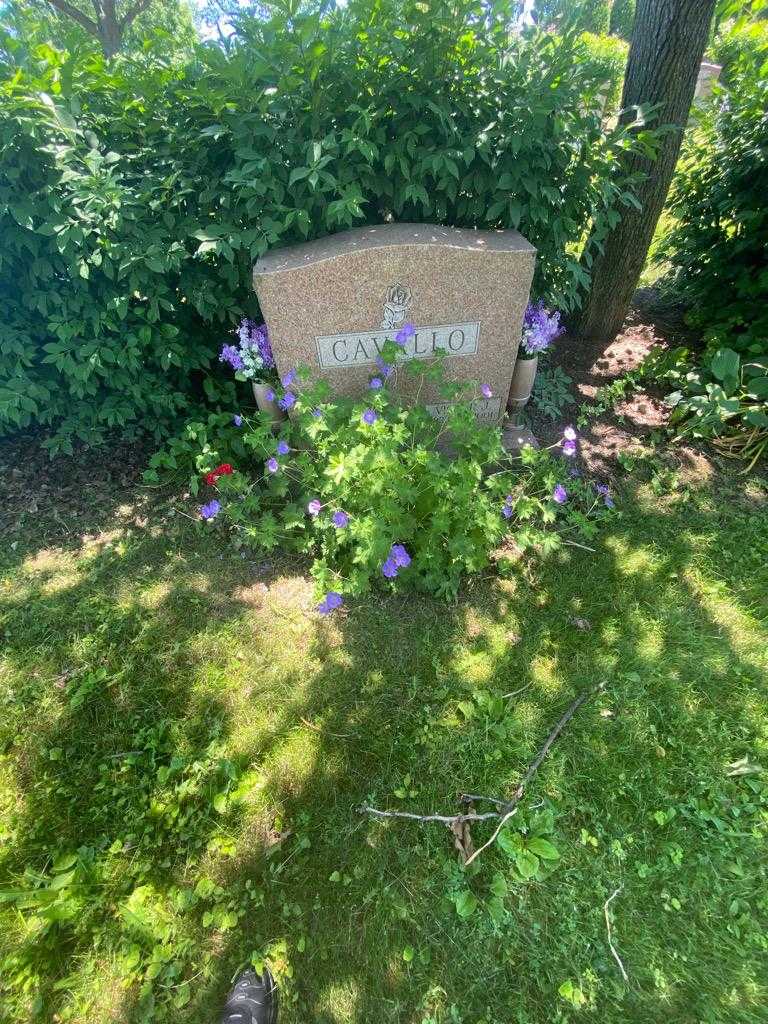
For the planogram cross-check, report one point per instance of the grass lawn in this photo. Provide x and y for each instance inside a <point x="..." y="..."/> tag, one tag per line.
<point x="184" y="745"/>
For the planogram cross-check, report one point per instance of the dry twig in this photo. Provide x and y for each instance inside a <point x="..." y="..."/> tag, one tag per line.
<point x="616" y="956"/>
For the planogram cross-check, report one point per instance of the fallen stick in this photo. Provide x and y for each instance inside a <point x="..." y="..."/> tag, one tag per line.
<point x="445" y="819"/>
<point x="616" y="956"/>
<point x="507" y="808"/>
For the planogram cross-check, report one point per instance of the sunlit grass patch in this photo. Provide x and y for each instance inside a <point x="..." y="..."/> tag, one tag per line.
<point x="184" y="724"/>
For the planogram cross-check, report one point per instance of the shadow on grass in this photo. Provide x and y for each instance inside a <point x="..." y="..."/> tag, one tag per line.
<point x="213" y="678"/>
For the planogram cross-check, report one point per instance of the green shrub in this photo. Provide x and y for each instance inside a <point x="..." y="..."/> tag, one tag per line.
<point x="585" y="15"/>
<point x="135" y="197"/>
<point x="607" y="56"/>
<point x="594" y="16"/>
<point x="622" y="18"/>
<point x="364" y="488"/>
<point x="749" y="41"/>
<point x="718" y="246"/>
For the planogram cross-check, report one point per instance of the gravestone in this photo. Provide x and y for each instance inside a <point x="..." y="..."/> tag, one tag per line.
<point x="705" y="82"/>
<point x="331" y="304"/>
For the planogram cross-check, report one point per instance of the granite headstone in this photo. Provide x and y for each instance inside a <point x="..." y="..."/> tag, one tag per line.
<point x="331" y="304"/>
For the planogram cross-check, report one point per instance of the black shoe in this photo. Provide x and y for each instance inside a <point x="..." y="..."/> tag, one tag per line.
<point x="253" y="999"/>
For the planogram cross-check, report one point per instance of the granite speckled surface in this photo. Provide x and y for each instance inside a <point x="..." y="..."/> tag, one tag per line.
<point x="334" y="300"/>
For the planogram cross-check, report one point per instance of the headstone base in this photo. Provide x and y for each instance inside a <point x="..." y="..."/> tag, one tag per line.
<point x="514" y="438"/>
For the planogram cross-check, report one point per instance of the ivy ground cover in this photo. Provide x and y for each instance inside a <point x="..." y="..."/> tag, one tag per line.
<point x="184" y="743"/>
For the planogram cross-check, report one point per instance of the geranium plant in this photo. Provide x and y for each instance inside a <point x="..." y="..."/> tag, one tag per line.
<point x="368" y="489"/>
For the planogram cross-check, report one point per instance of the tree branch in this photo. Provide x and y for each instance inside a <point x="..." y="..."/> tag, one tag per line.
<point x="72" y="12"/>
<point x="506" y="808"/>
<point x="140" y="7"/>
<point x="445" y="819"/>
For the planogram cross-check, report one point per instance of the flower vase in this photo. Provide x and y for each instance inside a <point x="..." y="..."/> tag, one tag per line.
<point x="522" y="380"/>
<point x="265" y="404"/>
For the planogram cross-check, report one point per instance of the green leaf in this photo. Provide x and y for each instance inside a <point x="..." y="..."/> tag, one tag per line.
<point x="725" y="366"/>
<point x="204" y="888"/>
<point x="509" y="841"/>
<point x="496" y="909"/>
<point x="499" y="885"/>
<point x="543" y="848"/>
<point x="757" y="418"/>
<point x="758" y="387"/>
<point x="465" y="903"/>
<point x="64" y="862"/>
<point x="63" y="881"/>
<point x="527" y="863"/>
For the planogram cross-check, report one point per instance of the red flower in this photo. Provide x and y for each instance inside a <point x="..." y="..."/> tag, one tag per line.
<point x="223" y="470"/>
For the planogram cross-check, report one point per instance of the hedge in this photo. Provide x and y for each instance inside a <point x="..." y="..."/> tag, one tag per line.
<point x="134" y="197"/>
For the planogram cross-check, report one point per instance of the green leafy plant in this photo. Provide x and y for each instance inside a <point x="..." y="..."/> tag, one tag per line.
<point x="745" y="40"/>
<point x="552" y="391"/>
<point x="622" y="18"/>
<point x="369" y="490"/>
<point x="727" y="400"/>
<point x="608" y="56"/>
<point x="719" y="239"/>
<point x="135" y="195"/>
<point x="532" y="854"/>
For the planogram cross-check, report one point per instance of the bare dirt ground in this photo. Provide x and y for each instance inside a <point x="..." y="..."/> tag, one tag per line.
<point x="644" y="414"/>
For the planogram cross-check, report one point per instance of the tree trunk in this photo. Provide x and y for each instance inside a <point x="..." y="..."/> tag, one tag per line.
<point x="110" y="34"/>
<point x="668" y="43"/>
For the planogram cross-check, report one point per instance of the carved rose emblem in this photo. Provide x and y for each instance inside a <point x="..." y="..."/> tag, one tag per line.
<point x="396" y="303"/>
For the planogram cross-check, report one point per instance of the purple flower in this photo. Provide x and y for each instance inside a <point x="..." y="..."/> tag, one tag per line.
<point x="253" y="335"/>
<point x="210" y="510"/>
<point x="317" y="413"/>
<point x="245" y="332"/>
<point x="340" y="519"/>
<point x="569" y="447"/>
<point x="331" y="600"/>
<point x="386" y="369"/>
<point x="389" y="568"/>
<point x="400" y="556"/>
<point x="288" y="379"/>
<point x="507" y="510"/>
<point x="605" y="493"/>
<point x="229" y="354"/>
<point x="539" y="329"/>
<point x="269" y="394"/>
<point x="283" y="447"/>
<point x="237" y="419"/>
<point x="406" y="331"/>
<point x="376" y="383"/>
<point x="560" y="495"/>
<point x="570" y="434"/>
<point x="287" y="401"/>
<point x="261" y="337"/>
<point x="272" y="465"/>
<point x="370" y="417"/>
<point x="485" y="391"/>
<point x="314" y="507"/>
